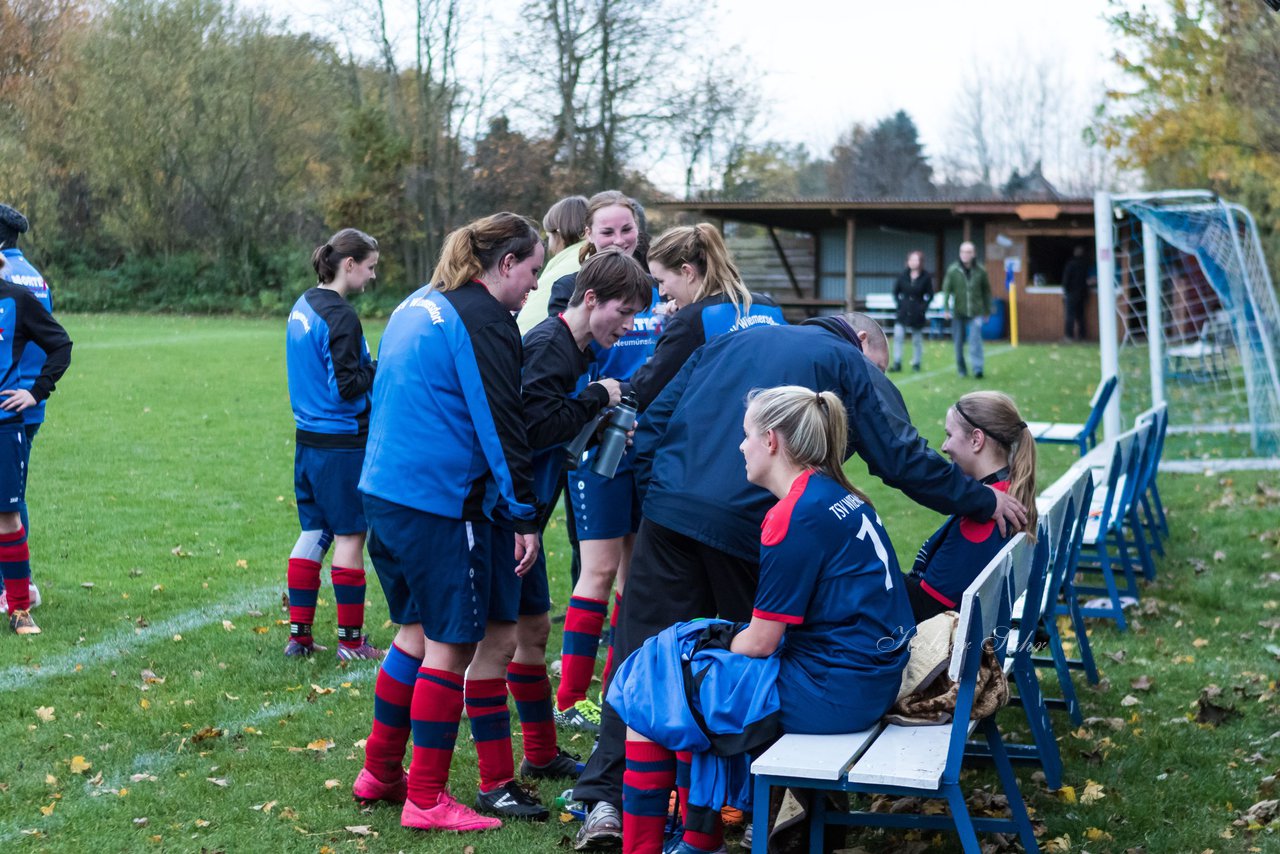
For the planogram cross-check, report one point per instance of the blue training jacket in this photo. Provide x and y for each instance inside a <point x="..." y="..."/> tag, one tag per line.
<point x="685" y="690"/>
<point x="19" y="271"/>
<point x="687" y="457"/>
<point x="447" y="434"/>
<point x="330" y="372"/>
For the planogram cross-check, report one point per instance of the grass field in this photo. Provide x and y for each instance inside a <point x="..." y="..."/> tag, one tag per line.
<point x="162" y="516"/>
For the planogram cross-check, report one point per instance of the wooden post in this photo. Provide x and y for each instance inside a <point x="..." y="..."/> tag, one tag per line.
<point x="786" y="265"/>
<point x="968" y="230"/>
<point x="850" y="258"/>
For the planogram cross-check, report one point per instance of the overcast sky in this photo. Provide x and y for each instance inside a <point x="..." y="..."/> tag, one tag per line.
<point x="825" y="64"/>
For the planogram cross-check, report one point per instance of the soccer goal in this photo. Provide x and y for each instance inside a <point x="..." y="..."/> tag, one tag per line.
<point x="1187" y="315"/>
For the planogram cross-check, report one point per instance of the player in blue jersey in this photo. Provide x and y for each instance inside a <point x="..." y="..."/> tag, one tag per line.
<point x="989" y="441"/>
<point x="453" y="521"/>
<point x="829" y="581"/>
<point x="16" y="269"/>
<point x="611" y="289"/>
<point x="330" y="377"/>
<point x="24" y="321"/>
<point x="697" y="277"/>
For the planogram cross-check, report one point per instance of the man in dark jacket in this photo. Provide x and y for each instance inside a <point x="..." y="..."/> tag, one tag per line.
<point x="1075" y="287"/>
<point x="697" y="551"/>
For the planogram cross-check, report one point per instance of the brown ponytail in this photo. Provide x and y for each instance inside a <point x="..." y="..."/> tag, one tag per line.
<point x="347" y="243"/>
<point x="996" y="415"/>
<point x="469" y="252"/>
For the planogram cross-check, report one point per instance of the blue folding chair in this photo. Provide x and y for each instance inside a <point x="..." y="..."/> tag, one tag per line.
<point x="1084" y="436"/>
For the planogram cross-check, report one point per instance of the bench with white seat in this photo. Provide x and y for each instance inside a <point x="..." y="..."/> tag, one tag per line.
<point x="883" y="308"/>
<point x="914" y="761"/>
<point x="1084" y="436"/>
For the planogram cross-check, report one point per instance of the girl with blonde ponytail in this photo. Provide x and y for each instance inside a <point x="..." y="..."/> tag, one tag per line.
<point x="702" y="286"/>
<point x="829" y="582"/>
<point x="989" y="441"/>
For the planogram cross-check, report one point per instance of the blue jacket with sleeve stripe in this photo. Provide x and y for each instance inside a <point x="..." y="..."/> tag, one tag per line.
<point x="23" y="322"/>
<point x="330" y="372"/>
<point x="691" y="472"/>
<point x="447" y="435"/>
<point x="18" y="270"/>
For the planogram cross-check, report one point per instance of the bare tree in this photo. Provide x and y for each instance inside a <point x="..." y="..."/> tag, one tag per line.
<point x="713" y="119"/>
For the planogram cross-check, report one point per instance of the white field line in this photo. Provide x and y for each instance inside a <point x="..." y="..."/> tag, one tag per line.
<point x="1002" y="350"/>
<point x="1212" y="467"/>
<point x="158" y="762"/>
<point x="127" y="641"/>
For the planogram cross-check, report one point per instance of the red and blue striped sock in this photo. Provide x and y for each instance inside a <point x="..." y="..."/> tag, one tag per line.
<point x="583" y="623"/>
<point x="613" y="627"/>
<point x="703" y="828"/>
<point x="531" y="689"/>
<point x="392" y="696"/>
<point x="435" y="711"/>
<point x="486" y="701"/>
<point x="15" y="566"/>
<point x="646" y="790"/>
<point x="348" y="593"/>
<point x="304" y="585"/>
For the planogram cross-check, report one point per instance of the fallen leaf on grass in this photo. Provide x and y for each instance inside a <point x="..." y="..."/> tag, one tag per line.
<point x="144" y="703"/>
<point x="1142" y="683"/>
<point x="1200" y="643"/>
<point x="220" y="782"/>
<point x="242" y="564"/>
<point x="321" y="691"/>
<point x="1057" y="845"/>
<point x="1068" y="795"/>
<point x="1219" y="556"/>
<point x="141" y="822"/>
<point x="87" y="585"/>
<point x="1130" y="700"/>
<point x="206" y="733"/>
<point x="260" y="630"/>
<point x="140" y="778"/>
<point x="320" y="745"/>
<point x="360" y="830"/>
<point x="1262" y="813"/>
<point x="267" y="807"/>
<point x="177" y="551"/>
<point x="1092" y="792"/>
<point x="228" y="626"/>
<point x="79" y="765"/>
<point x="332" y="784"/>
<point x="49" y="809"/>
<point x="45" y="714"/>
<point x="50" y="780"/>
<point x="150" y="678"/>
<point x="1096" y="834"/>
<point x="200" y="822"/>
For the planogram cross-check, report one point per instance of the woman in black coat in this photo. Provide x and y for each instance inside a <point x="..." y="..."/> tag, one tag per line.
<point x="912" y="292"/>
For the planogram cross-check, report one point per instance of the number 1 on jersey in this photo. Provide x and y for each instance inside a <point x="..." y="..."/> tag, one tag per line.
<point x="868" y="528"/>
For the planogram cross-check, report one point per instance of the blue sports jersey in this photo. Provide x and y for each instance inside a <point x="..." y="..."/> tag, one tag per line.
<point x="330" y="371"/>
<point x="828" y="570"/>
<point x="957" y="552"/>
<point x="19" y="271"/>
<point x="447" y="435"/>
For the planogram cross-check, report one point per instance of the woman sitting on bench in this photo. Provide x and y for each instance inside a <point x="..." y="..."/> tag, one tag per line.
<point x="829" y="582"/>
<point x="989" y="441"/>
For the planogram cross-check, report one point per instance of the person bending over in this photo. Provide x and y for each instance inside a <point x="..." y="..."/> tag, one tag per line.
<point x="989" y="441"/>
<point x="829" y="582"/>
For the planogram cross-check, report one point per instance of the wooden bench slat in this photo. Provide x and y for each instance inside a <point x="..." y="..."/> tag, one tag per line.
<point x="905" y="756"/>
<point x="814" y="757"/>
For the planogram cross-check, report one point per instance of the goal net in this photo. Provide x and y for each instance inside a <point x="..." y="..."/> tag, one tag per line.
<point x="1194" y="320"/>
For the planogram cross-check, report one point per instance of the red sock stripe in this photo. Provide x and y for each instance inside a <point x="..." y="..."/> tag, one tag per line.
<point x="646" y="784"/>
<point x="583" y="624"/>
<point x="20" y="534"/>
<point x="15" y="552"/>
<point x="486" y="701"/>
<point x="531" y="689"/>
<point x="18" y="593"/>
<point x="436" y="710"/>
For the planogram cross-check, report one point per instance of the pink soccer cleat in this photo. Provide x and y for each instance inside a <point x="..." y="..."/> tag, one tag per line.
<point x="369" y="789"/>
<point x="447" y="814"/>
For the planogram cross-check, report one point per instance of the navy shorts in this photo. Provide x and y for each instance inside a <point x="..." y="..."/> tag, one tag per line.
<point x="13" y="467"/>
<point x="324" y="481"/>
<point x="450" y="575"/>
<point x="604" y="508"/>
<point x="535" y="591"/>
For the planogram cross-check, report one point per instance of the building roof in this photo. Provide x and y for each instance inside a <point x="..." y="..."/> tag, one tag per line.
<point x="812" y="214"/>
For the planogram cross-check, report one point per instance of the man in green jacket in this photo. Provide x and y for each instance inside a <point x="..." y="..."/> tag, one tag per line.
<point x="967" y="299"/>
